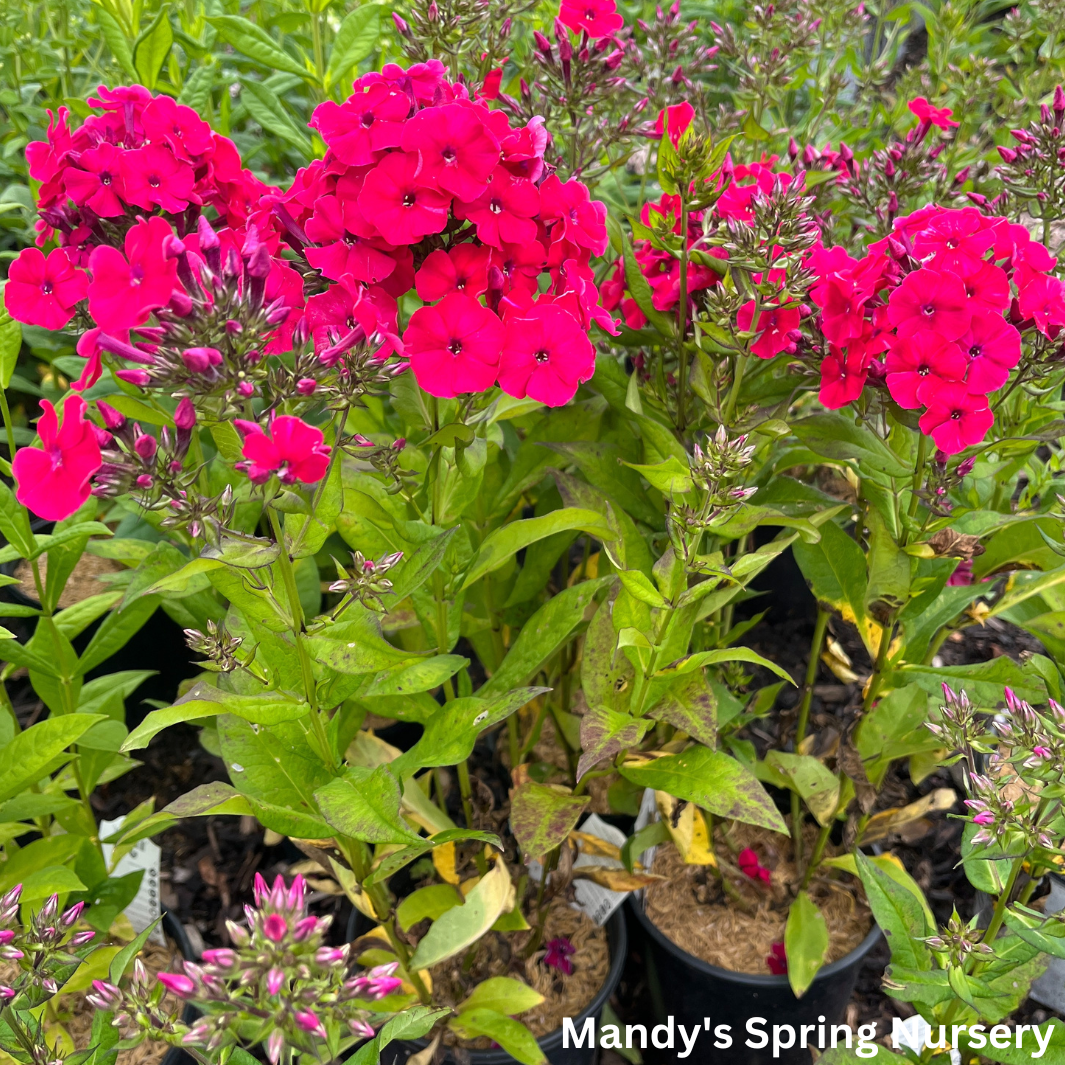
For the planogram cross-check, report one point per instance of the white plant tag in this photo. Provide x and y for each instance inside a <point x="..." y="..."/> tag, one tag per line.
<point x="596" y="901"/>
<point x="144" y="908"/>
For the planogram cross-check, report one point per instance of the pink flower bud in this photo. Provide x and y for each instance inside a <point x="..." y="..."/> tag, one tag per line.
<point x="140" y="378"/>
<point x="145" y="446"/>
<point x="309" y="1022"/>
<point x="274" y="979"/>
<point x="220" y="957"/>
<point x="276" y="1043"/>
<point x="275" y="927"/>
<point x="177" y="983"/>
<point x="305" y="386"/>
<point x="79" y="939"/>
<point x="245" y="389"/>
<point x="360" y="1028"/>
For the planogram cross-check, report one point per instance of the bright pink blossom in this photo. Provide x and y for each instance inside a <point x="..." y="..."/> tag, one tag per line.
<point x="915" y="360"/>
<point x="987" y="287"/>
<point x="673" y="121"/>
<point x="295" y="451"/>
<point x="597" y="18"/>
<point x="347" y="243"/>
<point x="504" y="213"/>
<point x="994" y="347"/>
<point x="42" y="291"/>
<point x="930" y="299"/>
<point x="578" y="217"/>
<point x="934" y="116"/>
<point x="1041" y="299"/>
<point x="153" y="177"/>
<point x="955" y="418"/>
<point x="462" y="269"/>
<point x="957" y="240"/>
<point x="774" y="327"/>
<point x="843" y="376"/>
<point x="559" y="952"/>
<point x="777" y="959"/>
<point x="546" y="356"/>
<point x="96" y="181"/>
<point x="751" y="867"/>
<point x="458" y="151"/>
<point x="365" y="124"/>
<point x="167" y="121"/>
<point x="125" y="288"/>
<point x="402" y="209"/>
<point x="454" y="346"/>
<point x="53" y="479"/>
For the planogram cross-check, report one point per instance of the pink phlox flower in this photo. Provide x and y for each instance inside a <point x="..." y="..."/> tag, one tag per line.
<point x="124" y="288"/>
<point x="403" y="210"/>
<point x="547" y="354"/>
<point x="934" y="116"/>
<point x="454" y="346"/>
<point x="43" y="291"/>
<point x="457" y="150"/>
<point x="559" y="952"/>
<point x="296" y="452"/>
<point x="464" y="268"/>
<point x="955" y="418"/>
<point x="53" y="480"/>
<point x="504" y="212"/>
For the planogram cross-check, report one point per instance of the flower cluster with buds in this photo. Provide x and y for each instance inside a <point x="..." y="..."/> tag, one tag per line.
<point x="279" y="985"/>
<point x="364" y="581"/>
<point x="958" y="940"/>
<point x="216" y="645"/>
<point x="1013" y="791"/>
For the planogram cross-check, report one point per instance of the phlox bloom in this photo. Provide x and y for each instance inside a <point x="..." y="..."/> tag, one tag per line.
<point x="458" y="152"/>
<point x="454" y="346"/>
<point x="955" y="418"/>
<point x="53" y="479"/>
<point x="597" y="18"/>
<point x="403" y="210"/>
<point x="292" y="449"/>
<point x="912" y="361"/>
<point x="994" y="348"/>
<point x="930" y="299"/>
<point x="42" y="291"/>
<point x="546" y="356"/>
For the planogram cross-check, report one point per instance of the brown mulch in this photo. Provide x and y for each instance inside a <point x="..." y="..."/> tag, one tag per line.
<point x="693" y="911"/>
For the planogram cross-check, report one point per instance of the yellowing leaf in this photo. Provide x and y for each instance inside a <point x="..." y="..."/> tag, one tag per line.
<point x="888" y="821"/>
<point x="615" y="879"/>
<point x="838" y="661"/>
<point x="444" y="862"/>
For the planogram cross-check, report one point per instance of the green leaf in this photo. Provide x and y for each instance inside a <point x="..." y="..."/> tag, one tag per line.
<point x="984" y="682"/>
<point x="710" y="779"/>
<point x="541" y="817"/>
<point x="10" y="344"/>
<point x="196" y="92"/>
<point x="671" y="477"/>
<point x="902" y="916"/>
<point x="503" y="994"/>
<point x="510" y="1034"/>
<point x="364" y="804"/>
<point x="506" y="541"/>
<point x="640" y="587"/>
<point x="889" y="570"/>
<point x="432" y="902"/>
<point x="267" y="109"/>
<point x="254" y="42"/>
<point x="641" y="292"/>
<point x="28" y="756"/>
<point x="152" y="48"/>
<point x="115" y="631"/>
<point x="449" y="735"/>
<point x="815" y="783"/>
<point x="1025" y="1055"/>
<point x="117" y="42"/>
<point x="412" y="1023"/>
<point x="15" y="523"/>
<point x="1045" y="933"/>
<point x="268" y="708"/>
<point x="465" y="924"/>
<point x="355" y="40"/>
<point x="835" y="569"/>
<point x="424" y="675"/>
<point x="136" y="410"/>
<point x="649" y="836"/>
<point x="805" y="942"/>
<point x="124" y="958"/>
<point x="51" y="880"/>
<point x="724" y="654"/>
<point x="249" y="552"/>
<point x="189" y="579"/>
<point x="834" y="436"/>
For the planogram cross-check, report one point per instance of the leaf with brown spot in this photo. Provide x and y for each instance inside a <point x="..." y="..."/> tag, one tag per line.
<point x="605" y="733"/>
<point x="691" y="706"/>
<point x="541" y="817"/>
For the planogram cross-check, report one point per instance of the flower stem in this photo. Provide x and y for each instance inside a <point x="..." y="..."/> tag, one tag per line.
<point x="820" y="627"/>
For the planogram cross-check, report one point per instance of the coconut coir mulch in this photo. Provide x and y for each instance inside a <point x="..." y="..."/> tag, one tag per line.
<point x="691" y="908"/>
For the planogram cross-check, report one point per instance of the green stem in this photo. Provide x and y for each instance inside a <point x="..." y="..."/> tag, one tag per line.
<point x="682" y="318"/>
<point x="886" y="636"/>
<point x="737" y="383"/>
<point x="9" y="428"/>
<point x="466" y="791"/>
<point x="918" y="474"/>
<point x="288" y="576"/>
<point x="820" y="627"/>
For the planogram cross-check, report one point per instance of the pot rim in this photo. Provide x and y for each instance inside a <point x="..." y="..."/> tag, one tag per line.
<point x="751" y="979"/>
<point x="619" y="944"/>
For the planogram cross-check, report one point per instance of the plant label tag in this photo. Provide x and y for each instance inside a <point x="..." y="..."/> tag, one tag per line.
<point x="596" y="901"/>
<point x="144" y="908"/>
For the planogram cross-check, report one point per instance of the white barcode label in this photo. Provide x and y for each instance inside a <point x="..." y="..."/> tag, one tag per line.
<point x="144" y="908"/>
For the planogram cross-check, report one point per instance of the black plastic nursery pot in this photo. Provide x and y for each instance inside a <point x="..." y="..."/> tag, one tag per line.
<point x="692" y="991"/>
<point x="551" y="1044"/>
<point x="176" y="931"/>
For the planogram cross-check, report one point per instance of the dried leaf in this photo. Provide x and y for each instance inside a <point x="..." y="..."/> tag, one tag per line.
<point x="616" y="879"/>
<point x="888" y="821"/>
